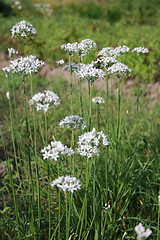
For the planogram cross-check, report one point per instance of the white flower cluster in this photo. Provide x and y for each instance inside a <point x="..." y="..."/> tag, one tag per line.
<point x="12" y="52"/>
<point x="88" y="143"/>
<point x="74" y="67"/>
<point x="54" y="150"/>
<point x="16" y="5"/>
<point x="82" y="48"/>
<point x="70" y="48"/>
<point x="113" y="52"/>
<point x="119" y="69"/>
<point x="23" y="29"/>
<point x="142" y="234"/>
<point x="67" y="183"/>
<point x="85" y="46"/>
<point x="106" y="52"/>
<point x="43" y="101"/>
<point x="73" y="122"/>
<point x="60" y="62"/>
<point x="106" y="61"/>
<point x="118" y="51"/>
<point x="98" y="100"/>
<point x="90" y="73"/>
<point x="107" y="207"/>
<point x="43" y="8"/>
<point x="140" y="50"/>
<point x="24" y="65"/>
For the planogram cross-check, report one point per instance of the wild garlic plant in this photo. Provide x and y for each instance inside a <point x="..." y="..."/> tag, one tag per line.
<point x="79" y="188"/>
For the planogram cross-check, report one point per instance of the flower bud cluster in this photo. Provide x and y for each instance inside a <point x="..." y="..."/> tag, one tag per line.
<point x="90" y="73"/>
<point x="12" y="52"/>
<point x="119" y="69"/>
<point x="88" y="143"/>
<point x="142" y="234"/>
<point x="98" y="100"/>
<point x="42" y="101"/>
<point x="54" y="150"/>
<point x="67" y="183"/>
<point x="140" y="50"/>
<point x="23" y="29"/>
<point x="24" y="65"/>
<point x="72" y="122"/>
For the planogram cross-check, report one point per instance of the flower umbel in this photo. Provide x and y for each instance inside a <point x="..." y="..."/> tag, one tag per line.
<point x="43" y="101"/>
<point x="12" y="52"/>
<point x="90" y="73"/>
<point x="72" y="122"/>
<point x="60" y="62"/>
<point x="98" y="100"/>
<point x="54" y="150"/>
<point x="24" y="65"/>
<point x="67" y="183"/>
<point x="89" y="142"/>
<point x="142" y="234"/>
<point x="23" y="29"/>
<point x="119" y="69"/>
<point x="140" y="50"/>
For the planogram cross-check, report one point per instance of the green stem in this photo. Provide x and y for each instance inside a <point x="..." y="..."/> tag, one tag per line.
<point x="67" y="231"/>
<point x="71" y="84"/>
<point x="49" y="200"/>
<point x="28" y="147"/>
<point x="59" y="207"/>
<point x="45" y="116"/>
<point x="35" y="157"/>
<point x="107" y="98"/>
<point x="80" y="88"/>
<point x="98" y="113"/>
<point x="90" y="106"/>
<point x="119" y="109"/>
<point x="158" y="235"/>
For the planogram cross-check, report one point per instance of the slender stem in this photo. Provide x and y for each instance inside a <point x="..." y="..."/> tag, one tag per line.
<point x="59" y="207"/>
<point x="158" y="222"/>
<point x="49" y="200"/>
<point x="94" y="187"/>
<point x="107" y="98"/>
<point x="80" y="88"/>
<point x="35" y="157"/>
<point x="67" y="231"/>
<point x="98" y="113"/>
<point x="90" y="106"/>
<point x="12" y="131"/>
<point x="45" y="116"/>
<point x="28" y="147"/>
<point x="72" y="146"/>
<point x="119" y="111"/>
<point x="71" y="83"/>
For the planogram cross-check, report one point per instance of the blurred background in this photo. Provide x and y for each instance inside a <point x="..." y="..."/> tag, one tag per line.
<point x="108" y="22"/>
